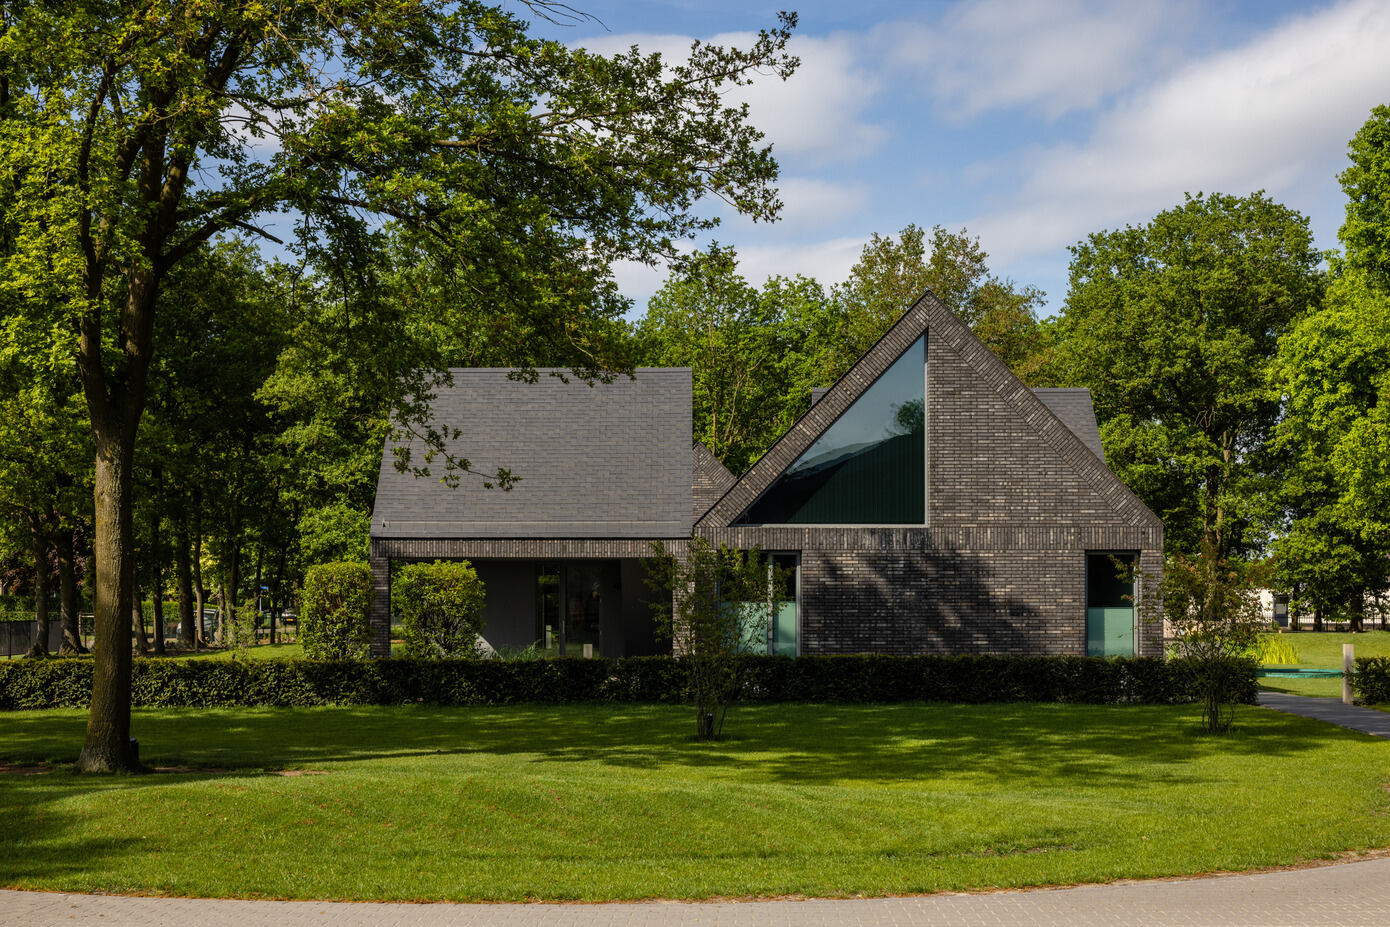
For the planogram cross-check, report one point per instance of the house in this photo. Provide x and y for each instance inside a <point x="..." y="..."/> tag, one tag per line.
<point x="928" y="502"/>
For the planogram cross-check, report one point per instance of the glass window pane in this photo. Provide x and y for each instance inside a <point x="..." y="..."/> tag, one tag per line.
<point x="869" y="467"/>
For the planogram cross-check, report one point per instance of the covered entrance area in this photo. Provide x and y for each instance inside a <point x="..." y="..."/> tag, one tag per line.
<point x="573" y="608"/>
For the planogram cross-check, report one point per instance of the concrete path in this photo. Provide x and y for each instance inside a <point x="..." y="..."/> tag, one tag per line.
<point x="1342" y="895"/>
<point x="1331" y="710"/>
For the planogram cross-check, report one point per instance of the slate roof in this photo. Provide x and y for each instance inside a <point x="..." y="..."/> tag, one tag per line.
<point x="612" y="460"/>
<point x="1073" y="406"/>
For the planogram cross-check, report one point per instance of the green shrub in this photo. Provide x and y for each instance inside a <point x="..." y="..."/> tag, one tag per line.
<point x="334" y="611"/>
<point x="440" y="605"/>
<point x="1371" y="681"/>
<point x="67" y="682"/>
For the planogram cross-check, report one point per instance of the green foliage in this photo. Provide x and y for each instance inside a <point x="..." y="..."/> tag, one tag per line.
<point x="1174" y="327"/>
<point x="1366" y="232"/>
<point x="756" y="354"/>
<point x="440" y="606"/>
<point x="1371" y="681"/>
<point x="715" y="606"/>
<point x="707" y="317"/>
<point x="892" y="274"/>
<point x="1214" y="614"/>
<point x="867" y="678"/>
<point x="1275" y="650"/>
<point x="1333" y="442"/>
<point x="334" y="611"/>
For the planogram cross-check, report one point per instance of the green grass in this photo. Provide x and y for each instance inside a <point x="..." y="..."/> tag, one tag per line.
<point x="258" y="652"/>
<point x="1323" y="649"/>
<point x="617" y="802"/>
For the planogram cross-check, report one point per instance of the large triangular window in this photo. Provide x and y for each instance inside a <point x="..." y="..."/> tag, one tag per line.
<point x="869" y="467"/>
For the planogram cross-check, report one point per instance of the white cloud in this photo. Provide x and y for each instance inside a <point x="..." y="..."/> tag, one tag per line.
<point x="816" y="114"/>
<point x="1060" y="56"/>
<point x="827" y="261"/>
<point x="1271" y="114"/>
<point x="809" y="203"/>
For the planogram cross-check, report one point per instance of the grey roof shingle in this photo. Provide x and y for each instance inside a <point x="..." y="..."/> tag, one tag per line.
<point x="612" y="460"/>
<point x="1073" y="406"/>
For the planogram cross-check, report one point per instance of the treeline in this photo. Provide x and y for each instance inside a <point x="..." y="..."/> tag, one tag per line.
<point x="271" y="393"/>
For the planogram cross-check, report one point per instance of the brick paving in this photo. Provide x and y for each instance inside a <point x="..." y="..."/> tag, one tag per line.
<point x="1342" y="895"/>
<point x="1331" y="710"/>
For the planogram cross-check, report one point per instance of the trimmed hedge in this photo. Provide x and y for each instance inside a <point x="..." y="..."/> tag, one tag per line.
<point x="1371" y="680"/>
<point x="869" y="678"/>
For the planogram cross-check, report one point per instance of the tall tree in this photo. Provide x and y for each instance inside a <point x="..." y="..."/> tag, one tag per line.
<point x="709" y="318"/>
<point x="1333" y="507"/>
<point x="135" y="133"/>
<point x="892" y="273"/>
<point x="1366" y="232"/>
<point x="1174" y="326"/>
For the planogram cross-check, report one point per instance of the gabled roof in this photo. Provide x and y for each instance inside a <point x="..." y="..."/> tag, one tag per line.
<point x="1072" y="405"/>
<point x="611" y="460"/>
<point x="710" y="480"/>
<point x="931" y="317"/>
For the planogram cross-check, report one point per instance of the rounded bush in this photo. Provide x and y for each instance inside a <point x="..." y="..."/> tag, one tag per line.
<point x="440" y="606"/>
<point x="334" y="612"/>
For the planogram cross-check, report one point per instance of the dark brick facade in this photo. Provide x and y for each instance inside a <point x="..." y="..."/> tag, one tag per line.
<point x="1014" y="501"/>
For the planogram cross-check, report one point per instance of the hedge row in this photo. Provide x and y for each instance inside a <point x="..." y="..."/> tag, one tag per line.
<point x="1371" y="680"/>
<point x="870" y="678"/>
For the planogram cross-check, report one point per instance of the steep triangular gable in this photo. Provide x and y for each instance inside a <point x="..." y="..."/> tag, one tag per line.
<point x="928" y="315"/>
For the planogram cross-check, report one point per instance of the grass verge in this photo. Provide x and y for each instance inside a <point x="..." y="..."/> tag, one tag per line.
<point x="616" y="802"/>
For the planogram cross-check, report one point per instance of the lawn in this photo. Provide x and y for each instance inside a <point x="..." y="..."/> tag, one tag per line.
<point x="616" y="802"/>
<point x="1323" y="649"/>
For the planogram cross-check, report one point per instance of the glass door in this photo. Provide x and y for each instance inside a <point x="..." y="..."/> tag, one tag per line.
<point x="583" y="598"/>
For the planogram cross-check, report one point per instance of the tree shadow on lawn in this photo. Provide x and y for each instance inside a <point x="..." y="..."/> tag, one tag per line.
<point x="1018" y="748"/>
<point x="808" y="744"/>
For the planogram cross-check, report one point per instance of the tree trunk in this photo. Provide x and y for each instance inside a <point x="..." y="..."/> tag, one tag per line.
<point x="137" y="623"/>
<point x="39" y="538"/>
<point x="1317" y="617"/>
<point x="157" y="583"/>
<point x="276" y="597"/>
<point x="220" y="635"/>
<point x="67" y="593"/>
<point x="183" y="578"/>
<point x="229" y="605"/>
<point x="107" y="744"/>
<point x="200" y="591"/>
<point x="256" y="593"/>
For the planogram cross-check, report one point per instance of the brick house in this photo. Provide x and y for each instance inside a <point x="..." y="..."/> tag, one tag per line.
<point x="927" y="502"/>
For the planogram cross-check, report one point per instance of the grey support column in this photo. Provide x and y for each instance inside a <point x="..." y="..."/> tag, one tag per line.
<point x="381" y="607"/>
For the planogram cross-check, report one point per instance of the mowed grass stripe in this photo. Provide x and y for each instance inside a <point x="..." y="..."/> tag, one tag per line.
<point x="613" y="802"/>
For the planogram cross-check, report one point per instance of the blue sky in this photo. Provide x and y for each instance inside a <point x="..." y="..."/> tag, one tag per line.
<point x="1031" y="124"/>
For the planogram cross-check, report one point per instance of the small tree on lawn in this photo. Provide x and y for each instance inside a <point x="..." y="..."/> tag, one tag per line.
<point x="334" y="611"/>
<point x="440" y="605"/>
<point x="1213" y="610"/>
<point x="714" y="605"/>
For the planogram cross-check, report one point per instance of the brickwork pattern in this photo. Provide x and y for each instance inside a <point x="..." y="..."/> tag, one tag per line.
<point x="710" y="480"/>
<point x="1015" y="499"/>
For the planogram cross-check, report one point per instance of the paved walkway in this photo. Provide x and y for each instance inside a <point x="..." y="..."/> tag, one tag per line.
<point x="1343" y="895"/>
<point x="1331" y="710"/>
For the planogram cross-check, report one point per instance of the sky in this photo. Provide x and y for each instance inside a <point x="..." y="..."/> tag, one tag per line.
<point x="1031" y="123"/>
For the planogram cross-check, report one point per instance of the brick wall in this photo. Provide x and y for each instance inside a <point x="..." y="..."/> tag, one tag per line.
<point x="1014" y="502"/>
